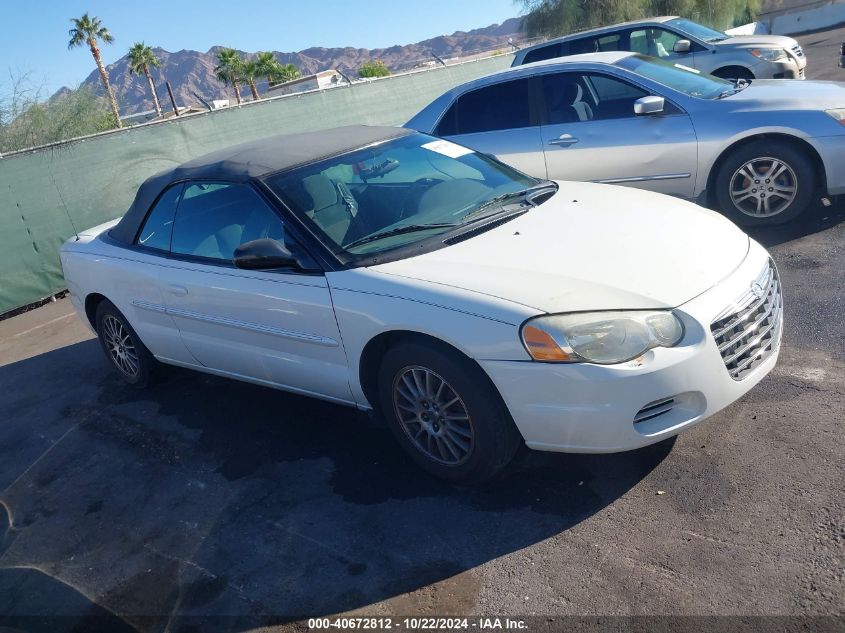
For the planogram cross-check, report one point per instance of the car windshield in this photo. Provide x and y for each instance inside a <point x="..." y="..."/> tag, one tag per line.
<point x="399" y="192"/>
<point x="677" y="76"/>
<point x="698" y="31"/>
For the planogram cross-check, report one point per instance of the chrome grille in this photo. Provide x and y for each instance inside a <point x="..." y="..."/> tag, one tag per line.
<point x="747" y="331"/>
<point x="654" y="409"/>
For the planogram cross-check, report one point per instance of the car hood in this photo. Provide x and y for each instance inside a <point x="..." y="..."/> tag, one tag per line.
<point x="773" y="41"/>
<point x="591" y="247"/>
<point x="780" y="94"/>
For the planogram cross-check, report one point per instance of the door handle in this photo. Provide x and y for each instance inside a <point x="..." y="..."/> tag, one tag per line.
<point x="179" y="291"/>
<point x="564" y="140"/>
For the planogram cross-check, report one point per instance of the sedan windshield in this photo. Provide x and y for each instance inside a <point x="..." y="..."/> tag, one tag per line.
<point x="399" y="192"/>
<point x="677" y="76"/>
<point x="698" y="31"/>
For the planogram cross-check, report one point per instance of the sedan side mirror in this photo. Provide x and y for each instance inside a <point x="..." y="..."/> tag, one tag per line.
<point x="264" y="254"/>
<point x="649" y="105"/>
<point x="682" y="46"/>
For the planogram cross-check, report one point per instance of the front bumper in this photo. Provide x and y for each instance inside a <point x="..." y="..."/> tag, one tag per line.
<point x="584" y="408"/>
<point x="790" y="68"/>
<point x="831" y="149"/>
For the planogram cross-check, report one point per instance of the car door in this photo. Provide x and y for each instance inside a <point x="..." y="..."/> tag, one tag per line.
<point x="591" y="133"/>
<point x="138" y="278"/>
<point x="499" y="120"/>
<point x="274" y="326"/>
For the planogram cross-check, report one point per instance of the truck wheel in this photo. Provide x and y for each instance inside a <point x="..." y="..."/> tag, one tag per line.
<point x="765" y="183"/>
<point x="446" y="413"/>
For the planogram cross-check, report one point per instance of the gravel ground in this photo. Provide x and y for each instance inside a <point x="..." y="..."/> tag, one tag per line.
<point x="128" y="510"/>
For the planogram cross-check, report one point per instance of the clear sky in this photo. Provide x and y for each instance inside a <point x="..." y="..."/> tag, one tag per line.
<point x="38" y="43"/>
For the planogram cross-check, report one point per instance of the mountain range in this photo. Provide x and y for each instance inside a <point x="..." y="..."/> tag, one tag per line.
<point x="191" y="73"/>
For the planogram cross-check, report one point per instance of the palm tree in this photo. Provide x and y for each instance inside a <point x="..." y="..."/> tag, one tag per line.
<point x="268" y="66"/>
<point x="249" y="71"/>
<point x="141" y="57"/>
<point x="87" y="30"/>
<point x="229" y="70"/>
<point x="287" y="72"/>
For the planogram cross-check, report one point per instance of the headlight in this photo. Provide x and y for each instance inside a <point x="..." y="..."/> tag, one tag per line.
<point x="838" y="114"/>
<point x="599" y="337"/>
<point x="768" y="54"/>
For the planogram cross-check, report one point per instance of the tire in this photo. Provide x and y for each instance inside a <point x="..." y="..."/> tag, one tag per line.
<point x="126" y="354"/>
<point x="733" y="72"/>
<point x="481" y="444"/>
<point x="739" y="197"/>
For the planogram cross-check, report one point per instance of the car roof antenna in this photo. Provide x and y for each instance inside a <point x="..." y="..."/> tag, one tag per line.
<point x="64" y="206"/>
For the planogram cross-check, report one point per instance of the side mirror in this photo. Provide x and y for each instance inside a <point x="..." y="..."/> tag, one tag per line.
<point x="682" y="46"/>
<point x="649" y="105"/>
<point x="264" y="254"/>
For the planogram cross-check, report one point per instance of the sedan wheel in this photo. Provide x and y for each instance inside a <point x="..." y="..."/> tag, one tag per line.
<point x="120" y="347"/>
<point x="445" y="412"/>
<point x="765" y="182"/>
<point x="764" y="187"/>
<point x="128" y="355"/>
<point x="433" y="415"/>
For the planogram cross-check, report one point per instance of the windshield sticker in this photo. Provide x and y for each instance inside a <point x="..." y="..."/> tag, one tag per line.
<point x="687" y="68"/>
<point x="447" y="148"/>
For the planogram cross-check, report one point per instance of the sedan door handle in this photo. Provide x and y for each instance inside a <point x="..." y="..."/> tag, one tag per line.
<point x="179" y="291"/>
<point x="564" y="139"/>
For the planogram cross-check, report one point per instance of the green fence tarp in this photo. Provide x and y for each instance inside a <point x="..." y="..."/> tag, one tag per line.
<point x="46" y="192"/>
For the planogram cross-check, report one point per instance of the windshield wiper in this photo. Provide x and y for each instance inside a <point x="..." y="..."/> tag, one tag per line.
<point x="739" y="86"/>
<point x="476" y="213"/>
<point x="399" y="230"/>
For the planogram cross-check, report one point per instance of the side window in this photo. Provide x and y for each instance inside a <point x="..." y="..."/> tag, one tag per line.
<point x="448" y="125"/>
<point x="610" y="89"/>
<point x="502" y="106"/>
<point x="159" y="223"/>
<point x="543" y="53"/>
<point x="586" y="45"/>
<point x="572" y="97"/>
<point x="610" y="42"/>
<point x="213" y="219"/>
<point x="654" y="42"/>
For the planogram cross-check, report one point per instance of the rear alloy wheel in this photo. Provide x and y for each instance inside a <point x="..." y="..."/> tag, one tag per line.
<point x="445" y="412"/>
<point x="127" y="354"/>
<point x="769" y="183"/>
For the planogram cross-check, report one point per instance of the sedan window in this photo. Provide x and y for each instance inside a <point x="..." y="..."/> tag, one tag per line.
<point x="572" y="97"/>
<point x="502" y="106"/>
<point x="544" y="52"/>
<point x="159" y="223"/>
<point x="213" y="219"/>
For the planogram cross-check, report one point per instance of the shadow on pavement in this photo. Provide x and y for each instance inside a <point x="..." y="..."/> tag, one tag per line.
<point x="204" y="497"/>
<point x="815" y="220"/>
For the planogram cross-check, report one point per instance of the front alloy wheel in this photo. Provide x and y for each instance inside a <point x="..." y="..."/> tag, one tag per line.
<point x="433" y="415"/>
<point x="764" y="187"/>
<point x="444" y="411"/>
<point x="765" y="182"/>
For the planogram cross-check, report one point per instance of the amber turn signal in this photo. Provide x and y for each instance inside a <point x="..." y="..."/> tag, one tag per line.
<point x="541" y="345"/>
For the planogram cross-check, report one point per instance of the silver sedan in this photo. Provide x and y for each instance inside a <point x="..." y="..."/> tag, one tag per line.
<point x="761" y="151"/>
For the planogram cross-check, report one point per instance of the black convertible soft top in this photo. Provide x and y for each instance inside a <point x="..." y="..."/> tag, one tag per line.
<point x="255" y="159"/>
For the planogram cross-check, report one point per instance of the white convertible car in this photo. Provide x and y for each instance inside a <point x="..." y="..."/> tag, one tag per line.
<point x="471" y="306"/>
